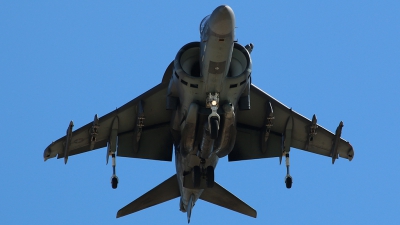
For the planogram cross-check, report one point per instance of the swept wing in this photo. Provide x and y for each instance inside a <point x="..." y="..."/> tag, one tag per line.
<point x="137" y="124"/>
<point x="269" y="128"/>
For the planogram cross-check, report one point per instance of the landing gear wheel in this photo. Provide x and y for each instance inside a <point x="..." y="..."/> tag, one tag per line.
<point x="114" y="182"/>
<point x="214" y="127"/>
<point x="210" y="176"/>
<point x="288" y="181"/>
<point x="196" y="176"/>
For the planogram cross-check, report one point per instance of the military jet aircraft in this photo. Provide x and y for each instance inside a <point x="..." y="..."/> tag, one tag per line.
<point x="203" y="108"/>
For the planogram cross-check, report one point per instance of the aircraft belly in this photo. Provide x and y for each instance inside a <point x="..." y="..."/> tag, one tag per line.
<point x="186" y="193"/>
<point x="216" y="54"/>
<point x="184" y="166"/>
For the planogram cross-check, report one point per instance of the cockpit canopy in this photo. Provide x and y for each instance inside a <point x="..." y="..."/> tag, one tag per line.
<point x="203" y="23"/>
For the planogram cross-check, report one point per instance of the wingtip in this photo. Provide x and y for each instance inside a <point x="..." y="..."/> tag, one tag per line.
<point x="47" y="152"/>
<point x="350" y="153"/>
<point x="120" y="214"/>
<point x="253" y="213"/>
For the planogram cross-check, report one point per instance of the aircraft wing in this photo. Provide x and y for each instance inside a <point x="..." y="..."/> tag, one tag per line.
<point x="269" y="128"/>
<point x="140" y="128"/>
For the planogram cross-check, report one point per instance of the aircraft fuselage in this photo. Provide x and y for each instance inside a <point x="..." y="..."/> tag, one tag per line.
<point x="206" y="88"/>
<point x="210" y="77"/>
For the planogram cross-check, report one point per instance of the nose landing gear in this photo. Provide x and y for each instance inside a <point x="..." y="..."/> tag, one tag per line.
<point x="212" y="102"/>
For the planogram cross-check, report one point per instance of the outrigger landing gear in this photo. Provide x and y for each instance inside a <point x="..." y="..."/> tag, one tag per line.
<point x="288" y="178"/>
<point x="114" y="181"/>
<point x="288" y="181"/>
<point x="114" y="178"/>
<point x="112" y="148"/>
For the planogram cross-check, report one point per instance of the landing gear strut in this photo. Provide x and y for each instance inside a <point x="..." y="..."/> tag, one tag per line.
<point x="114" y="178"/>
<point x="212" y="102"/>
<point x="288" y="178"/>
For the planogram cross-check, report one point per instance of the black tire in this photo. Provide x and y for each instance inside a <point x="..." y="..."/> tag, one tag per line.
<point x="214" y="127"/>
<point x="196" y="176"/>
<point x="288" y="182"/>
<point x="114" y="182"/>
<point x="210" y="176"/>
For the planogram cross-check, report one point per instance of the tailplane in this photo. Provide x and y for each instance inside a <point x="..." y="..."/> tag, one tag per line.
<point x="222" y="197"/>
<point x="167" y="190"/>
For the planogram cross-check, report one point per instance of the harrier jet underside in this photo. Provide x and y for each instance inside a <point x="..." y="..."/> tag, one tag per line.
<point x="202" y="107"/>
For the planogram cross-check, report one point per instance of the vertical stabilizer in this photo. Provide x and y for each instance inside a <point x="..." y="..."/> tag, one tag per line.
<point x="190" y="207"/>
<point x="222" y="197"/>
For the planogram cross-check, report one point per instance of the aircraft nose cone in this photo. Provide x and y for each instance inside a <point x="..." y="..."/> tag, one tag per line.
<point x="222" y="20"/>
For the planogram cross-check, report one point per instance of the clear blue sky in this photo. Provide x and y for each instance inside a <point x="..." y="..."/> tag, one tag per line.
<point x="68" y="60"/>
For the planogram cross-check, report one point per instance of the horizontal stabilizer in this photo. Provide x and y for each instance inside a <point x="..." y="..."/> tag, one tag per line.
<point x="167" y="190"/>
<point x="222" y="197"/>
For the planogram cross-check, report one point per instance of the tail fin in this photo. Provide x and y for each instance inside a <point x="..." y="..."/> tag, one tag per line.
<point x="167" y="190"/>
<point x="222" y="197"/>
<point x="190" y="207"/>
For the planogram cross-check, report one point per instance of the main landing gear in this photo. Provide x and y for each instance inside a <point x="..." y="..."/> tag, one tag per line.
<point x="199" y="173"/>
<point x="210" y="176"/>
<point x="214" y="127"/>
<point x="196" y="176"/>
